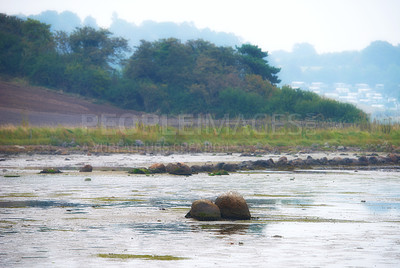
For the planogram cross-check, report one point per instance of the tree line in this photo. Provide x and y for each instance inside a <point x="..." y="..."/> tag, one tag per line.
<point x="165" y="76"/>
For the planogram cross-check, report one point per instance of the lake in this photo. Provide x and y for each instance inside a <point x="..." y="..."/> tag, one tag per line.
<point x="307" y="218"/>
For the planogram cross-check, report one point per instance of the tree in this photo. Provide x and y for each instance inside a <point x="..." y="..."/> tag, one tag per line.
<point x="38" y="42"/>
<point x="255" y="84"/>
<point x="165" y="61"/>
<point x="11" y="44"/>
<point x="142" y="65"/>
<point x="253" y="61"/>
<point x="97" y="47"/>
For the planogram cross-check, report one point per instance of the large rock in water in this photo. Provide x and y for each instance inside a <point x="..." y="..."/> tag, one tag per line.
<point x="204" y="210"/>
<point x="179" y="169"/>
<point x="233" y="206"/>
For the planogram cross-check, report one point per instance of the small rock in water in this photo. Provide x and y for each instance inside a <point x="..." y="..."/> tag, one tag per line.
<point x="50" y="171"/>
<point x="86" y="168"/>
<point x="88" y="179"/>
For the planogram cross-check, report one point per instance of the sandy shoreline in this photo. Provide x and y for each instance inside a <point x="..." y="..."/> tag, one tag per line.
<point x="124" y="161"/>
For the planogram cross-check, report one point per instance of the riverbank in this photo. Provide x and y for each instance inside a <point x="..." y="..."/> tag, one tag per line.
<point x="202" y="162"/>
<point x="156" y="139"/>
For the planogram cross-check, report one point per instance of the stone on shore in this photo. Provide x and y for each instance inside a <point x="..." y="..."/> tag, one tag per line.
<point x="157" y="168"/>
<point x="230" y="167"/>
<point x="203" y="168"/>
<point x="264" y="163"/>
<point x="336" y="161"/>
<point x="393" y="158"/>
<point x="246" y="165"/>
<point x="363" y="161"/>
<point x="373" y="160"/>
<point x="179" y="169"/>
<point x="282" y="161"/>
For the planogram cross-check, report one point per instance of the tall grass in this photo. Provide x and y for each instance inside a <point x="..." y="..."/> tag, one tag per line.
<point x="356" y="135"/>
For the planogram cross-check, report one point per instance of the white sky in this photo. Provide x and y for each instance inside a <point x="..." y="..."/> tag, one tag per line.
<point x="329" y="25"/>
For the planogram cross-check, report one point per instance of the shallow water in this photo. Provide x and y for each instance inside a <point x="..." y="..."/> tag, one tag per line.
<point x="306" y="219"/>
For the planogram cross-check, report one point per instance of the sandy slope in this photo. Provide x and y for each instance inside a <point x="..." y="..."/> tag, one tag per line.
<point x="40" y="106"/>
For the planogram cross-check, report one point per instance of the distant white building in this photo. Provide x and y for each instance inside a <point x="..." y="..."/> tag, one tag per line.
<point x="331" y="95"/>
<point x="342" y="90"/>
<point x="298" y="84"/>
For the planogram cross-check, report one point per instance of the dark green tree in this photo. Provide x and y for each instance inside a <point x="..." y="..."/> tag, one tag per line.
<point x="11" y="44"/>
<point x="253" y="61"/>
<point x="97" y="47"/>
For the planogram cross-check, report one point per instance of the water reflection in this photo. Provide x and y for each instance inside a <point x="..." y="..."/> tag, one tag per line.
<point x="230" y="228"/>
<point x="196" y="227"/>
<point x="224" y="229"/>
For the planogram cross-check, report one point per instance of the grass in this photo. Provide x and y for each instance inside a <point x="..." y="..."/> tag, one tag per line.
<point x="203" y="138"/>
<point x="12" y="195"/>
<point x="219" y="173"/>
<point x="145" y="257"/>
<point x="50" y="171"/>
<point x="139" y="171"/>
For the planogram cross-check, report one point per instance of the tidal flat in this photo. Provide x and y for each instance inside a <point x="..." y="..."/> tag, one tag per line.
<point x="313" y="218"/>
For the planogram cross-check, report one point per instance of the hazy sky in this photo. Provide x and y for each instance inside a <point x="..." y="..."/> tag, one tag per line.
<point x="329" y="25"/>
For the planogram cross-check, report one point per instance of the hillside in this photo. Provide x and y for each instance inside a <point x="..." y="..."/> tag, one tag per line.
<point x="39" y="106"/>
<point x="164" y="77"/>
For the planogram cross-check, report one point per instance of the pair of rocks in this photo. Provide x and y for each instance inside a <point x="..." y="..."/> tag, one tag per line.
<point x="230" y="206"/>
